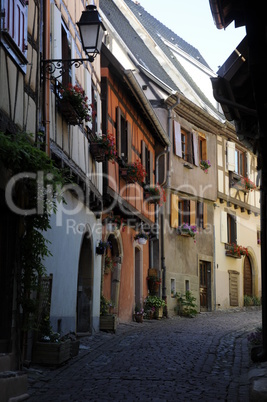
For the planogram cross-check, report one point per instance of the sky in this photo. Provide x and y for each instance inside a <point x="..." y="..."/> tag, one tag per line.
<point x="192" y="21"/>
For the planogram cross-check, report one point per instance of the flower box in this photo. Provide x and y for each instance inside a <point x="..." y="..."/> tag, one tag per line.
<point x="228" y="253"/>
<point x="69" y="113"/>
<point x="108" y="322"/>
<point x="74" y="348"/>
<point x="97" y="152"/>
<point x="51" y="353"/>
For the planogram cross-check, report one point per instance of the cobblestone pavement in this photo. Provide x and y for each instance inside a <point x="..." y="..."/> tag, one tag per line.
<point x="174" y="359"/>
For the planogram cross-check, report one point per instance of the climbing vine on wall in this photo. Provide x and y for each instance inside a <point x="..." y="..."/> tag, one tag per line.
<point x="19" y="155"/>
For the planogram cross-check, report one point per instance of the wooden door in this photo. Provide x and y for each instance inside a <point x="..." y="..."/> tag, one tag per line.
<point x="247" y="277"/>
<point x="85" y="287"/>
<point x="233" y="288"/>
<point x="203" y="285"/>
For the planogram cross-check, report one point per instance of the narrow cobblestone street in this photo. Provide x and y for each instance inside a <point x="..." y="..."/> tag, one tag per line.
<point x="175" y="359"/>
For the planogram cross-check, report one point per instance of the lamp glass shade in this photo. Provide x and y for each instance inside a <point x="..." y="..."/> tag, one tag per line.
<point x="91" y="30"/>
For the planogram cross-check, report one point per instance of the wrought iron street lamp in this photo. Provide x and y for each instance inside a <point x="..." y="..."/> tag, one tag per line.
<point x="91" y="31"/>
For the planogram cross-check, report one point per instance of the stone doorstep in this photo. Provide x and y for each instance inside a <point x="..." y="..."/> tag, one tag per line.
<point x="13" y="386"/>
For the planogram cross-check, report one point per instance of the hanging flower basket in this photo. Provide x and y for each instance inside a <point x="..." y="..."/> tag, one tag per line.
<point x="141" y="238"/>
<point x="142" y="241"/>
<point x="101" y="247"/>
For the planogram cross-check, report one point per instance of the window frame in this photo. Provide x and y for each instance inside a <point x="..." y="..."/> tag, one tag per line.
<point x="231" y="229"/>
<point x="240" y="165"/>
<point x="14" y="29"/>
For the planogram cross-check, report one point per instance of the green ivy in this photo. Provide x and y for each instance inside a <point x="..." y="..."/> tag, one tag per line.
<point x="18" y="153"/>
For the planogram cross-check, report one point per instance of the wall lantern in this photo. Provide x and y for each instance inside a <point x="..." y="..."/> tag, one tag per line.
<point x="91" y="32"/>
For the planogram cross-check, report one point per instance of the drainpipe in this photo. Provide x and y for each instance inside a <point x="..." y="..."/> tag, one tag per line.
<point x="168" y="175"/>
<point x="46" y="51"/>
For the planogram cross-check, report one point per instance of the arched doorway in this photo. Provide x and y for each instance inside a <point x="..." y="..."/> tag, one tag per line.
<point x="85" y="287"/>
<point x="248" y="289"/>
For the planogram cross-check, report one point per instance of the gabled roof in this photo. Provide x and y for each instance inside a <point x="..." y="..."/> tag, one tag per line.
<point x="157" y="29"/>
<point x="147" y="56"/>
<point x="133" y="41"/>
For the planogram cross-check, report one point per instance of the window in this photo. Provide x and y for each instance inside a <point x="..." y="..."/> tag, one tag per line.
<point x="258" y="237"/>
<point x="66" y="55"/>
<point x="184" y="212"/>
<point x="172" y="287"/>
<point x="147" y="162"/>
<point x="202" y="144"/>
<point x="184" y="145"/>
<point x="240" y="162"/>
<point x="231" y="229"/>
<point x="15" y="28"/>
<point x="123" y="137"/>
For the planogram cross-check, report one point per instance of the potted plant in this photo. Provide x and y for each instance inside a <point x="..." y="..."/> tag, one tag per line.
<point x="50" y="348"/>
<point x="205" y="165"/>
<point x="186" y="305"/>
<point x="110" y="264"/>
<point x="141" y="237"/>
<point x="138" y="314"/>
<point x="108" y="321"/>
<point x="153" y="282"/>
<point x="134" y="172"/>
<point x="103" y="147"/>
<point x="101" y="247"/>
<point x="73" y="104"/>
<point x="187" y="230"/>
<point x="155" y="194"/>
<point x="235" y="251"/>
<point x="155" y="303"/>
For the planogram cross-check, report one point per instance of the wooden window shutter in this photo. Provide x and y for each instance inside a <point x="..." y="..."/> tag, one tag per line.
<point x="118" y="132"/>
<point x="195" y="148"/>
<point x="177" y="139"/>
<point x="129" y="142"/>
<point x="56" y="34"/>
<point x="192" y="212"/>
<point x="205" y="215"/>
<point x="231" y="156"/>
<point x="248" y="164"/>
<point x="224" y="237"/>
<point x="151" y="168"/>
<point x="143" y="153"/>
<point x="174" y="211"/>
